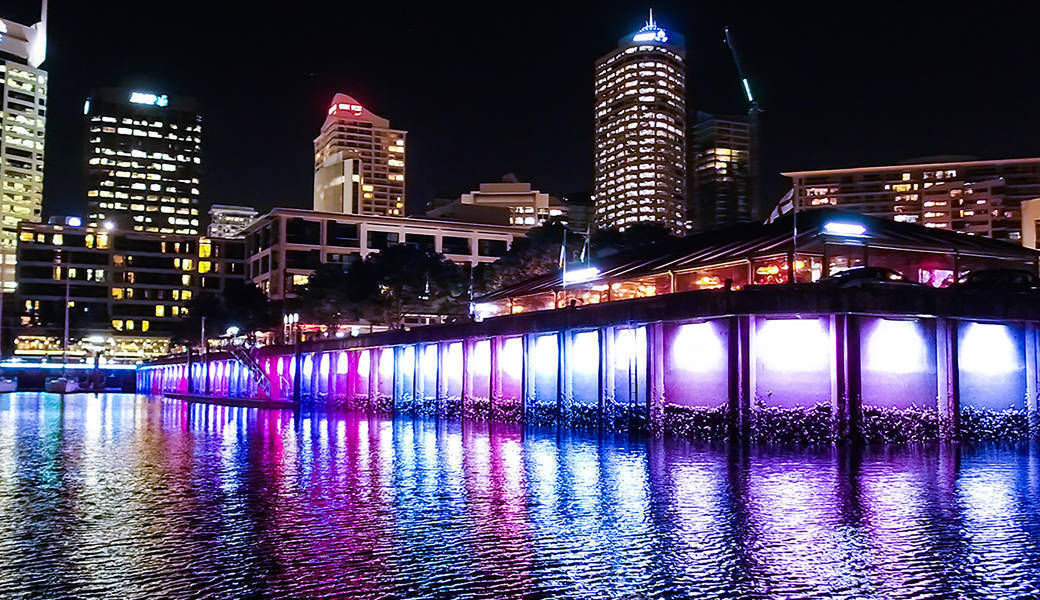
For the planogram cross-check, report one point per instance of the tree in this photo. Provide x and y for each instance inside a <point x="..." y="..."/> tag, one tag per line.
<point x="241" y="304"/>
<point x="325" y="298"/>
<point x="533" y="255"/>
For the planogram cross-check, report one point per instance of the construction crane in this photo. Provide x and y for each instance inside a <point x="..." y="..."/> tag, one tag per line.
<point x="754" y="158"/>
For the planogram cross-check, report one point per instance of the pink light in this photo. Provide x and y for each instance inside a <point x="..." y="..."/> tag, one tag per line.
<point x="364" y="363"/>
<point x="480" y="360"/>
<point x="989" y="348"/>
<point x="896" y="347"/>
<point x="793" y="345"/>
<point x="386" y="362"/>
<point x="697" y="348"/>
<point x="511" y="356"/>
<point x="343" y="364"/>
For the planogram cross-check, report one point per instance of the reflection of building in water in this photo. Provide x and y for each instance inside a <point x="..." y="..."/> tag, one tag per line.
<point x="827" y="242"/>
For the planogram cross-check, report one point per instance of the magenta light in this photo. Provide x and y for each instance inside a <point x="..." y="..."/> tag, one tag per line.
<point x="697" y="348"/>
<point x="793" y="345"/>
<point x="896" y="347"/>
<point x="364" y="363"/>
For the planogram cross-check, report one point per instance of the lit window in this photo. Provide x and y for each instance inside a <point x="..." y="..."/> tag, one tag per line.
<point x="160" y="310"/>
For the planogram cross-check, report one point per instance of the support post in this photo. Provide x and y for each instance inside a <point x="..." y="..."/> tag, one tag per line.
<point x="441" y="391"/>
<point x="526" y="376"/>
<point x="565" y="381"/>
<point x="655" y="375"/>
<point x="495" y="378"/>
<point x="607" y="403"/>
<point x="948" y="368"/>
<point x="1032" y="380"/>
<point x="466" y="398"/>
<point x="733" y="371"/>
<point x="748" y="380"/>
<point x="373" y="377"/>
<point x="846" y="381"/>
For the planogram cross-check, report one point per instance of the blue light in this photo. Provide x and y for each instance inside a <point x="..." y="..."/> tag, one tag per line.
<point x="149" y="98"/>
<point x="651" y="34"/>
<point x="747" y="90"/>
<point x="75" y="222"/>
<point x="846" y="229"/>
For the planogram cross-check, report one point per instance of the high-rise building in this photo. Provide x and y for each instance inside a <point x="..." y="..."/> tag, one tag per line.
<point x="527" y="206"/>
<point x="720" y="165"/>
<point x="359" y="162"/>
<point x="228" y="221"/>
<point x="23" y="117"/>
<point x="144" y="161"/>
<point x="640" y="131"/>
<point x="981" y="197"/>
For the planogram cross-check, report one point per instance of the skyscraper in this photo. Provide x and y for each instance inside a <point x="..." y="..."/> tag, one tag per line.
<point x="144" y="161"/>
<point x="23" y="117"/>
<point x="720" y="161"/>
<point x="359" y="162"/>
<point x="640" y="131"/>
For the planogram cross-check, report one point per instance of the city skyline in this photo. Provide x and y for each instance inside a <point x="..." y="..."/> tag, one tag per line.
<point x="822" y="80"/>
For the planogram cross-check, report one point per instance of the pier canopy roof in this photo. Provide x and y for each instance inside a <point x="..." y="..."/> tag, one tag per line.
<point x="806" y="246"/>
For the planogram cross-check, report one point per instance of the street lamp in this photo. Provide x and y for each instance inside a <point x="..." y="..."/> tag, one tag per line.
<point x="232" y="331"/>
<point x="291" y="321"/>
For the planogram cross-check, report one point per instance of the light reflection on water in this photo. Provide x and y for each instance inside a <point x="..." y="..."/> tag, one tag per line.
<point x="116" y="496"/>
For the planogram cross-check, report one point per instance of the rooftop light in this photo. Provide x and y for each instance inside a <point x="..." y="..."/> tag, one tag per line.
<point x="580" y="275"/>
<point x="847" y="229"/>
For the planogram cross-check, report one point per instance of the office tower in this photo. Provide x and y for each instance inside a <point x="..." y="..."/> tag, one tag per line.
<point x="720" y="162"/>
<point x="228" y="221"/>
<point x="981" y="197"/>
<point x="528" y="207"/>
<point x="640" y="131"/>
<point x="144" y="161"/>
<point x="23" y="117"/>
<point x="359" y="162"/>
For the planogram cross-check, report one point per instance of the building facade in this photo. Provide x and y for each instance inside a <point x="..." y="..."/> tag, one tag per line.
<point x="640" y="131"/>
<point x="144" y="161"/>
<point x="228" y="221"/>
<point x="527" y="207"/>
<point x="359" y="162"/>
<point x="286" y="245"/>
<point x="720" y="166"/>
<point x="981" y="197"/>
<point x="23" y="120"/>
<point x="131" y="289"/>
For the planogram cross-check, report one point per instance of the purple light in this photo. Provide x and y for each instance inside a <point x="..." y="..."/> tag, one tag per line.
<point x="343" y="364"/>
<point x="511" y="356"/>
<point x="323" y="366"/>
<point x="697" y="348"/>
<point x="988" y="348"/>
<point x="386" y="362"/>
<point x="453" y="358"/>
<point x="364" y="363"/>
<point x="546" y="354"/>
<point x="793" y="345"/>
<point x="480" y="363"/>
<point x="896" y="347"/>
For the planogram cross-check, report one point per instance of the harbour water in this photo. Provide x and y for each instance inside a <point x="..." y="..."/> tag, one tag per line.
<point x="122" y="496"/>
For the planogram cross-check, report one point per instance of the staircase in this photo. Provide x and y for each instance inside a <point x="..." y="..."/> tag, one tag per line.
<point x="244" y="357"/>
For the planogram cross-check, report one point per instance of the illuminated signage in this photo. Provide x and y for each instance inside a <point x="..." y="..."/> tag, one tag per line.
<point x="147" y="98"/>
<point x="650" y="34"/>
<point x="354" y="109"/>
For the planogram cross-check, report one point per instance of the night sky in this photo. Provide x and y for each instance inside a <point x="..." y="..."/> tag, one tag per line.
<point x="507" y="87"/>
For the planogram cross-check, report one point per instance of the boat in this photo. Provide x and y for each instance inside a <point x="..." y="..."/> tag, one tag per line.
<point x="8" y="384"/>
<point x="61" y="385"/>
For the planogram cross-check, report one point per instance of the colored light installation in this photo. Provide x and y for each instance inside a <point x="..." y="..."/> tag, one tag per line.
<point x="989" y="348"/>
<point x="697" y="348"/>
<point x="896" y="347"/>
<point x="793" y="345"/>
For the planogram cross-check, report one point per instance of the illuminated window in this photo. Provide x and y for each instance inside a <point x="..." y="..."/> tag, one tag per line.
<point x="25" y="236"/>
<point x="144" y="325"/>
<point x="57" y="239"/>
<point x="186" y="280"/>
<point x="130" y="325"/>
<point x="204" y="266"/>
<point x="160" y="310"/>
<point x="118" y="324"/>
<point x="186" y="295"/>
<point x="205" y="249"/>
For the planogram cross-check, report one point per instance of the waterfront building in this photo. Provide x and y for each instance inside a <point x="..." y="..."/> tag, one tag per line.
<point x="286" y="245"/>
<point x="827" y="241"/>
<point x="981" y="197"/>
<point x="23" y="120"/>
<point x="144" y="162"/>
<point x="359" y="162"/>
<point x="721" y="171"/>
<point x="640" y="131"/>
<point x="220" y="261"/>
<point x="131" y="289"/>
<point x="1031" y="223"/>
<point x="228" y="221"/>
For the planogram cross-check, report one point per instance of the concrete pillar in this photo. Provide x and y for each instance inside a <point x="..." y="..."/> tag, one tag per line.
<point x="495" y="377"/>
<point x="734" y="408"/>
<point x="846" y="380"/>
<point x="655" y="376"/>
<point x="373" y="377"/>
<point x="607" y="399"/>
<point x="565" y="381"/>
<point x="441" y="394"/>
<point x="1032" y="379"/>
<point x="467" y="376"/>
<point x="948" y="384"/>
<point x="746" y="377"/>
<point x="527" y="390"/>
